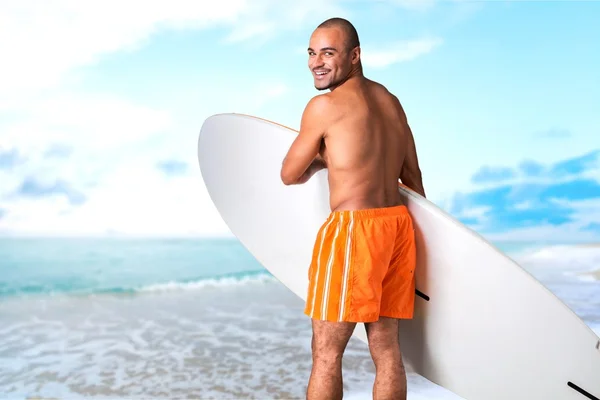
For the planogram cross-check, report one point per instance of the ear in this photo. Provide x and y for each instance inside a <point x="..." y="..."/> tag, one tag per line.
<point x="356" y="55"/>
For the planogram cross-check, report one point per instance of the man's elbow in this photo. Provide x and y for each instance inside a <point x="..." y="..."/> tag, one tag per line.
<point x="286" y="177"/>
<point x="414" y="180"/>
<point x="287" y="181"/>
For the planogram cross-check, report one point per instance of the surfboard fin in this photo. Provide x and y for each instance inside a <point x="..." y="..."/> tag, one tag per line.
<point x="581" y="391"/>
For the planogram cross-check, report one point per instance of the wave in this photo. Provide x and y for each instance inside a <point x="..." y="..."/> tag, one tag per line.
<point x="226" y="281"/>
<point x="589" y="276"/>
<point x="222" y="281"/>
<point x="77" y="278"/>
<point x="579" y="261"/>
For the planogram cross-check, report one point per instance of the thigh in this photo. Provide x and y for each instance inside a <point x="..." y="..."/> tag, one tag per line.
<point x="331" y="338"/>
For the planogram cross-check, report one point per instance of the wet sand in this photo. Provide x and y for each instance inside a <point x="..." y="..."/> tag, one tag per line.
<point x="250" y="342"/>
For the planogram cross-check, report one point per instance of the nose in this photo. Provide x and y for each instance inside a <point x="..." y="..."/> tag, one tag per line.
<point x="316" y="62"/>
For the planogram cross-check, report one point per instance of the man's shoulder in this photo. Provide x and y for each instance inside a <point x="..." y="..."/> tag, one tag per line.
<point x="320" y="106"/>
<point x="321" y="101"/>
<point x="384" y="91"/>
<point x="390" y="97"/>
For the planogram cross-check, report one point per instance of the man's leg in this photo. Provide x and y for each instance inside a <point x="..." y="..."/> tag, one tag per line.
<point x="329" y="342"/>
<point x="397" y="302"/>
<point x="384" y="345"/>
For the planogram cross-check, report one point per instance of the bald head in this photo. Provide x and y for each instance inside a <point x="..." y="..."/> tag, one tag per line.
<point x="334" y="53"/>
<point x="350" y="35"/>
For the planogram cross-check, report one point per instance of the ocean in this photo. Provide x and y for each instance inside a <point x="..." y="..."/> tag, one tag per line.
<point x="192" y="318"/>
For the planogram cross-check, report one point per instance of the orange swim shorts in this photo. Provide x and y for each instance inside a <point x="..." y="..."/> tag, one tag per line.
<point x="363" y="266"/>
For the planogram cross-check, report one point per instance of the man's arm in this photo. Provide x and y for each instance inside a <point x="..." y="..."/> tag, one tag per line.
<point x="302" y="159"/>
<point x="410" y="175"/>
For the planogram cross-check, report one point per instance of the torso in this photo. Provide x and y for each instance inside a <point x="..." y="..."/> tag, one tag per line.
<point x="364" y="147"/>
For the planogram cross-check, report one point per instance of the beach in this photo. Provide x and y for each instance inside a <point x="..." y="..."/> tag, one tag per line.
<point x="190" y="318"/>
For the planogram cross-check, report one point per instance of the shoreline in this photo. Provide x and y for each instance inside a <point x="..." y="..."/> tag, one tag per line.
<point x="245" y="339"/>
<point x="247" y="342"/>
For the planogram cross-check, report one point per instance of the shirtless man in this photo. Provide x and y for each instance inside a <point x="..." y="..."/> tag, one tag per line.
<point x="363" y="262"/>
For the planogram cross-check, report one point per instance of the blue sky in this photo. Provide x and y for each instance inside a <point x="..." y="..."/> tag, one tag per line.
<point x="101" y="105"/>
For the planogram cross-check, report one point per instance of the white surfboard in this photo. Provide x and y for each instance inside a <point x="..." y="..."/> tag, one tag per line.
<point x="484" y="328"/>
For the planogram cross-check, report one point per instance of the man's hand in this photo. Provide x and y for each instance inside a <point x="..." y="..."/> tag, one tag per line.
<point x="314" y="167"/>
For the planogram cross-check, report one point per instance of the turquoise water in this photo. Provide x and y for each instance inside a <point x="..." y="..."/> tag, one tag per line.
<point x="33" y="266"/>
<point x="79" y="266"/>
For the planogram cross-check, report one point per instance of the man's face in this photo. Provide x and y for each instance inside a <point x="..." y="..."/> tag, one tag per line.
<point x="328" y="59"/>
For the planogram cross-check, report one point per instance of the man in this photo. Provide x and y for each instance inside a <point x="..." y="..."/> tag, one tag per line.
<point x="363" y="261"/>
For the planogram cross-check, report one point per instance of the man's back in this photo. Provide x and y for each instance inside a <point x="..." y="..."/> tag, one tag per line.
<point x="368" y="146"/>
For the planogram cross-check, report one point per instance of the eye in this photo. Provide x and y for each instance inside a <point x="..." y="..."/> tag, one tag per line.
<point x="328" y="53"/>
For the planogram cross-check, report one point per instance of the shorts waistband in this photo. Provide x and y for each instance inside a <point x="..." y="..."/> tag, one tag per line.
<point x="372" y="212"/>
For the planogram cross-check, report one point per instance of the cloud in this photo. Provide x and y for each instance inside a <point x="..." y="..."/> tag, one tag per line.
<point x="268" y="18"/>
<point x="592" y="227"/>
<point x="575" y="166"/>
<point x="105" y="131"/>
<point x="9" y="158"/>
<point x="90" y="120"/>
<point x="41" y="41"/>
<point x="133" y="200"/>
<point x="58" y="150"/>
<point x="172" y="167"/>
<point x="554" y="134"/>
<point x="100" y="164"/>
<point x="44" y="41"/>
<point x="532" y="169"/>
<point x="492" y="174"/>
<point x="527" y="204"/>
<point x="134" y="197"/>
<point x="2" y="212"/>
<point x="565" y="195"/>
<point x="34" y="188"/>
<point x="402" y="51"/>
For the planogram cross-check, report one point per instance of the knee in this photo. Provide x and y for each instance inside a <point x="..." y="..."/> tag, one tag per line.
<point x="325" y="355"/>
<point x="326" y="358"/>
<point x="383" y="351"/>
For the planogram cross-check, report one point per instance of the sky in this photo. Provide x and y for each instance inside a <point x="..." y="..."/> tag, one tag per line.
<point x="101" y="104"/>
